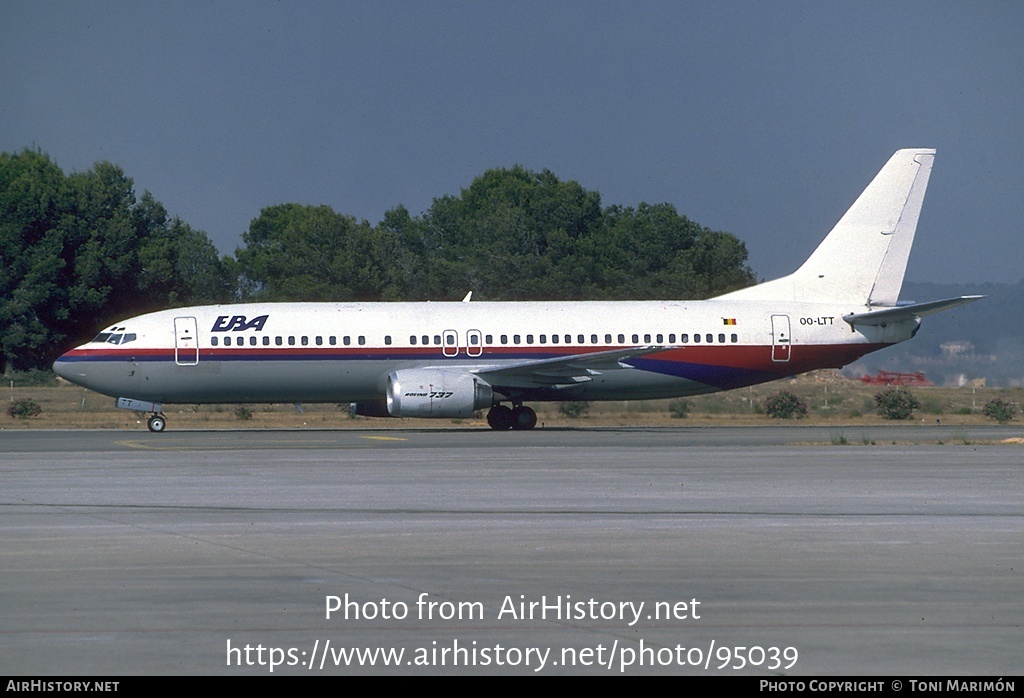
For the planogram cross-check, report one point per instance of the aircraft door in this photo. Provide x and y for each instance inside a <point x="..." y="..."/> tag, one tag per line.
<point x="450" y="343"/>
<point x="474" y="343"/>
<point x="186" y="341"/>
<point x="782" y="344"/>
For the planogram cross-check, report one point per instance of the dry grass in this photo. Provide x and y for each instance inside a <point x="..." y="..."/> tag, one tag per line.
<point x="830" y="399"/>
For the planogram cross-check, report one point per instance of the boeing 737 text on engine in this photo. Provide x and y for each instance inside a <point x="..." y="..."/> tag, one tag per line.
<point x="448" y="360"/>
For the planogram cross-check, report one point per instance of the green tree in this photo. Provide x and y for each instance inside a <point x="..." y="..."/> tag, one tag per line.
<point x="175" y="264"/>
<point x="32" y="264"/>
<point x="311" y="253"/>
<point x="1001" y="410"/>
<point x="785" y="405"/>
<point x="896" y="402"/>
<point x="679" y="408"/>
<point x="24" y="409"/>
<point x="512" y="234"/>
<point x="78" y="252"/>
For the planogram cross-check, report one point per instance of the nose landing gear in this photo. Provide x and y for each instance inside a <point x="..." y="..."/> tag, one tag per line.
<point x="157" y="423"/>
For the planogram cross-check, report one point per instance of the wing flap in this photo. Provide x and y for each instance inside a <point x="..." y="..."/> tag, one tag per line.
<point x="564" y="370"/>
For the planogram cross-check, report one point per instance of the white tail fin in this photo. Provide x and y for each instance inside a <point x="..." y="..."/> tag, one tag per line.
<point x="864" y="258"/>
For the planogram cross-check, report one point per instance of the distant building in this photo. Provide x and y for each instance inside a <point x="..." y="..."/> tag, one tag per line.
<point x="956" y="348"/>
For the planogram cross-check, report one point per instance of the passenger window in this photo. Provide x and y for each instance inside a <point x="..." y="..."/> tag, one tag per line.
<point x="346" y="340"/>
<point x="607" y="339"/>
<point x="305" y="341"/>
<point x="252" y="341"/>
<point x="672" y="338"/>
<point x="412" y="340"/>
<point x="684" y="338"/>
<point x="622" y="339"/>
<point x="319" y="341"/>
<point x="362" y="340"/>
<point x="291" y="341"/>
<point x="504" y="339"/>
<point x="529" y="339"/>
<point x="515" y="338"/>
<point x="710" y="338"/>
<point x="647" y="339"/>
<point x="387" y="339"/>
<point x="488" y="339"/>
<point x="636" y="339"/>
<point x="696" y="338"/>
<point x="449" y="339"/>
<point x="721" y="339"/>
<point x="213" y="341"/>
<point x="734" y="338"/>
<point x="278" y="341"/>
<point x="266" y="341"/>
<point x="332" y="340"/>
<point x="543" y="339"/>
<point x="593" y="339"/>
<point x="660" y="339"/>
<point x="426" y="340"/>
<point x="554" y="339"/>
<point x="437" y="339"/>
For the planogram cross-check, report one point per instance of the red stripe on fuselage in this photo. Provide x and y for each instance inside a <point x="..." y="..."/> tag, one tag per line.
<point x="803" y="357"/>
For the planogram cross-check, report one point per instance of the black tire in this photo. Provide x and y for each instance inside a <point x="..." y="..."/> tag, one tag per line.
<point x="157" y="423"/>
<point x="523" y="418"/>
<point x="500" y="418"/>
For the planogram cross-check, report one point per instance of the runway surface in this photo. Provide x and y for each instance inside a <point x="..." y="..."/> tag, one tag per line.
<point x="635" y="551"/>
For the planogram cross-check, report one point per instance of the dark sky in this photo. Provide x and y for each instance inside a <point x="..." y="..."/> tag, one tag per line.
<point x="765" y="119"/>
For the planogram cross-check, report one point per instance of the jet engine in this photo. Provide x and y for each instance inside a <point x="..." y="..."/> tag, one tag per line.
<point x="431" y="392"/>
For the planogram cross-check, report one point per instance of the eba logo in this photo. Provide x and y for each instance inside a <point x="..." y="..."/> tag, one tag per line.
<point x="239" y="323"/>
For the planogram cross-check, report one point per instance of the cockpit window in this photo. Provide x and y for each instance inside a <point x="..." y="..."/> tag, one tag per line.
<point x="115" y="338"/>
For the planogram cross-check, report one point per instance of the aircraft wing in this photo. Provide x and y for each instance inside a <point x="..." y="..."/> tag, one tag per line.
<point x="564" y="370"/>
<point x="906" y="312"/>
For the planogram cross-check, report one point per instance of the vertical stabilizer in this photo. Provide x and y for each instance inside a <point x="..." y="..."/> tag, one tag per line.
<point x="864" y="258"/>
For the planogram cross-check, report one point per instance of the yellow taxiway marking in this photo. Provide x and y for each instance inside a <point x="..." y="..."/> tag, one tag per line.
<point x="384" y="438"/>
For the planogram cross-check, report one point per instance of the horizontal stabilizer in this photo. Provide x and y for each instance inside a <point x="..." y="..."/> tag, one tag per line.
<point x="906" y="312"/>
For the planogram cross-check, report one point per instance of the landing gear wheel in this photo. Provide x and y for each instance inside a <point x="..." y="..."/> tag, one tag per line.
<point x="500" y="418"/>
<point x="523" y="418"/>
<point x="157" y="423"/>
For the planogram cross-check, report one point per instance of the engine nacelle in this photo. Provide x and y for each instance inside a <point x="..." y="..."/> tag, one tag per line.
<point x="434" y="392"/>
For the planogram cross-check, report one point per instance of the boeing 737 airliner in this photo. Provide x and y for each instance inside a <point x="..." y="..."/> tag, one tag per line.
<point x="452" y="359"/>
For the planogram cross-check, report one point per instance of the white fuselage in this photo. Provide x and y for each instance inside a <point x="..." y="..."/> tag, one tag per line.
<point x="344" y="352"/>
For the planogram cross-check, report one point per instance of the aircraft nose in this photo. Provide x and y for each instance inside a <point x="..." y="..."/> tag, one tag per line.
<point x="68" y="369"/>
<point x="61" y="367"/>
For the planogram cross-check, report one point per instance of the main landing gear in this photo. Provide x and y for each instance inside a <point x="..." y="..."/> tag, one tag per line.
<point x="157" y="423"/>
<point x="517" y="418"/>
